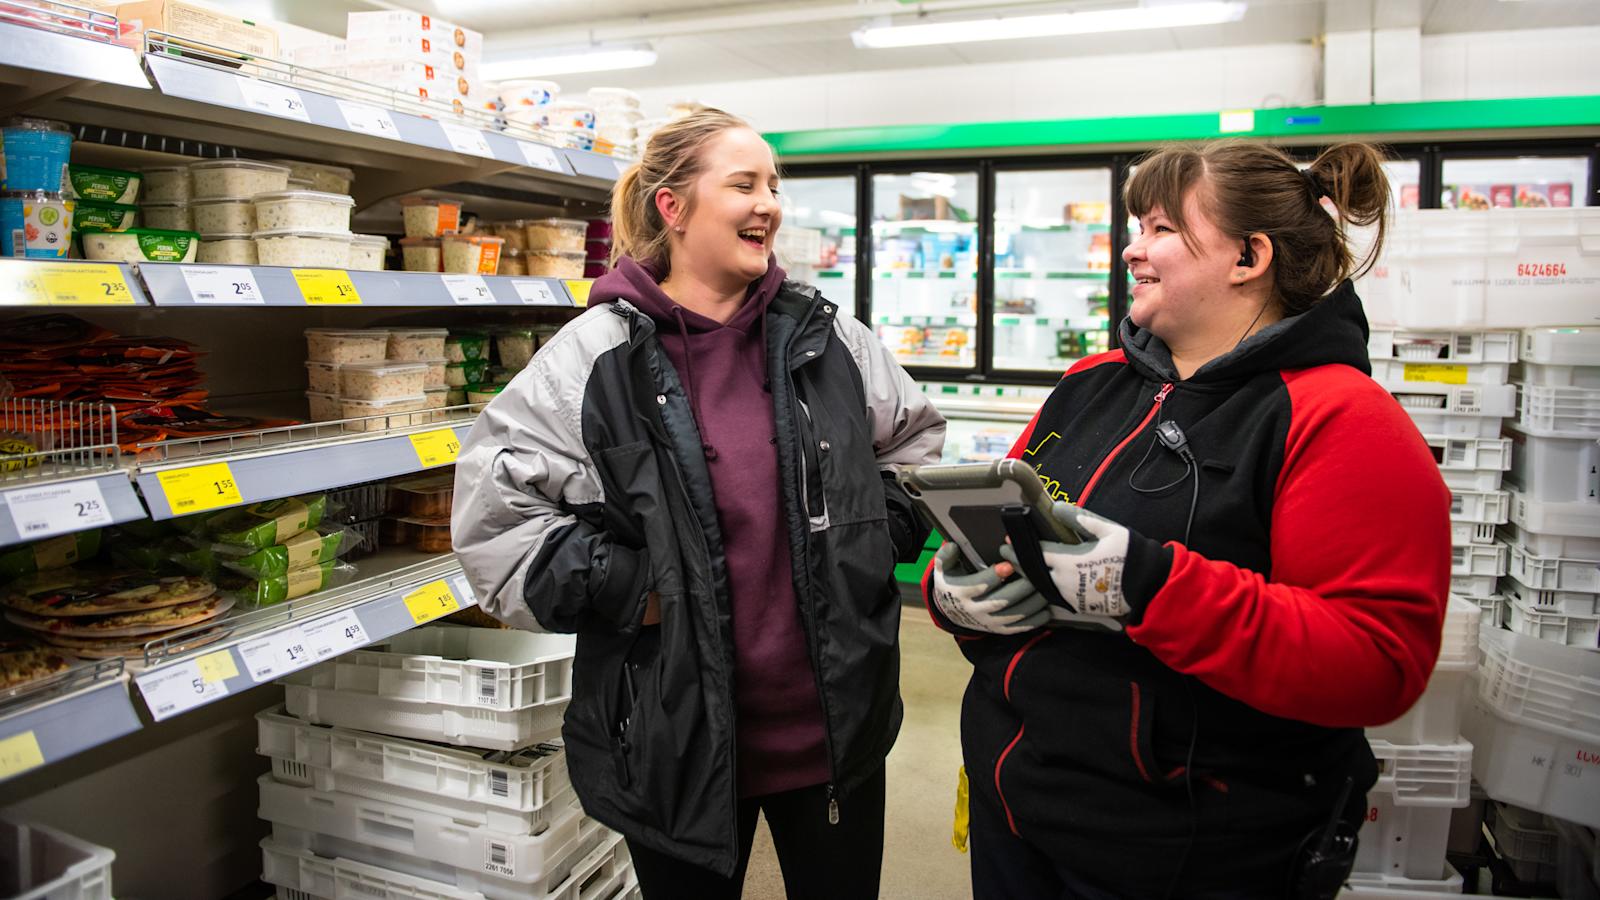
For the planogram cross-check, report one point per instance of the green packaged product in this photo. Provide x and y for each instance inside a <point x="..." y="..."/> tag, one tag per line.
<point x="466" y="346"/>
<point x="50" y="553"/>
<point x="260" y="525"/>
<point x="291" y="585"/>
<point x="308" y="548"/>
<point x="104" y="216"/>
<point x="170" y="555"/>
<point x="102" y="185"/>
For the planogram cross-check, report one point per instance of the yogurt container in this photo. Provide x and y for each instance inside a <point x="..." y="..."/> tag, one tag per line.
<point x="411" y="344"/>
<point x="346" y="345"/>
<point x="325" y="178"/>
<point x="35" y="224"/>
<point x="163" y="184"/>
<point x="517" y="94"/>
<point x="368" y="252"/>
<point x="36" y="153"/>
<point x="224" y="215"/>
<point x="555" y="264"/>
<point x="430" y="216"/>
<point x="303" y="211"/>
<point x="290" y="247"/>
<point x="556" y="234"/>
<point x="421" y="254"/>
<point x="102" y="185"/>
<point x="237" y="178"/>
<point x="228" y="250"/>
<point x="388" y="380"/>
<point x="89" y="216"/>
<point x="570" y="115"/>
<point x="139" y="245"/>
<point x="471" y="254"/>
<point x="169" y="216"/>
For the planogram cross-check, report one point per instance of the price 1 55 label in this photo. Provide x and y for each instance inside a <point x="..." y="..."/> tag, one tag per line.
<point x="368" y="119"/>
<point x="436" y="448"/>
<point x="199" y="488"/>
<point x="327" y="287"/>
<point x="431" y="601"/>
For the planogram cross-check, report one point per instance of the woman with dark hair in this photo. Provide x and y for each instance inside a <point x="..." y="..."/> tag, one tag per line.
<point x="1263" y="572"/>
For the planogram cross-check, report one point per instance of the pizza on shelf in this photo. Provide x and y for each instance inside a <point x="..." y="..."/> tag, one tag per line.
<point x="130" y="624"/>
<point x="89" y="592"/>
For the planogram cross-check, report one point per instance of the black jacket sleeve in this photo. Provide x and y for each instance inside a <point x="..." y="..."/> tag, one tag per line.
<point x="582" y="579"/>
<point x="906" y="527"/>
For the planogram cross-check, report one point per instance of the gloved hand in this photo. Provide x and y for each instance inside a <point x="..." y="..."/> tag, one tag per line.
<point x="1088" y="574"/>
<point x="985" y="600"/>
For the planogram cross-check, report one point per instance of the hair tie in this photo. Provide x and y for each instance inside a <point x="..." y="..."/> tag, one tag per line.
<point x="1315" y="184"/>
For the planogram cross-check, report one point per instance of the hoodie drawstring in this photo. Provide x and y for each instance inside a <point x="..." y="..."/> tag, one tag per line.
<point x="688" y="379"/>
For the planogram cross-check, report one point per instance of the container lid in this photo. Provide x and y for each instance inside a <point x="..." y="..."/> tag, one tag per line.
<point x="153" y="232"/>
<point x="202" y="201"/>
<point x="341" y="236"/>
<point x="26" y="124"/>
<point x="388" y="367"/>
<point x="427" y="484"/>
<point x="238" y="164"/>
<point x="341" y="171"/>
<point x="428" y="201"/>
<point x="120" y="173"/>
<point x="473" y="238"/>
<point x="376" y="239"/>
<point x="419" y="242"/>
<point x="147" y="170"/>
<point x="418" y="332"/>
<point x="351" y="332"/>
<point x="214" y="238"/>
<point x="300" y="184"/>
<point x="380" y="405"/>
<point x="565" y="254"/>
<point x="313" y="364"/>
<point x="165" y="204"/>
<point x="98" y="204"/>
<point x="562" y="223"/>
<point x="322" y="396"/>
<point x="311" y="196"/>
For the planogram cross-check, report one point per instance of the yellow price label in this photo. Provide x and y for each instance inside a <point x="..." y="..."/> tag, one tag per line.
<point x="1436" y="373"/>
<point x="326" y="287"/>
<point x="431" y="601"/>
<point x="68" y="284"/>
<point x="218" y="666"/>
<point x="19" y="753"/>
<point x="436" y="448"/>
<point x="579" y="291"/>
<point x="199" y="488"/>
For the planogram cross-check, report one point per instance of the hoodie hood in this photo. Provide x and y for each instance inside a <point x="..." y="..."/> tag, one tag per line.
<point x="1333" y="331"/>
<point x="640" y="284"/>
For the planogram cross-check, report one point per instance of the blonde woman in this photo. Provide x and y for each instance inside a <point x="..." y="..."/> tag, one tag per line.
<point x="695" y="476"/>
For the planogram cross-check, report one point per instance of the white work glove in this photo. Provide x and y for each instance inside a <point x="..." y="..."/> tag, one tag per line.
<point x="1088" y="574"/>
<point x="985" y="600"/>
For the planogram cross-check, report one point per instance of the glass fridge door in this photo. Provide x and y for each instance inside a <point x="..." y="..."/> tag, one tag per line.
<point x="925" y="267"/>
<point x="1514" y="182"/>
<point x="1052" y="275"/>
<point x="817" y="242"/>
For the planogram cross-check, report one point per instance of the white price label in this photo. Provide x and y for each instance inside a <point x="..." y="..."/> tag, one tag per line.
<point x="535" y="292"/>
<point x="540" y="156"/>
<point x="41" y="512"/>
<point x="467" y="140"/>
<point x="274" y="99"/>
<point x="334" y="635"/>
<point x="467" y="289"/>
<point x="368" y="119"/>
<point x="231" y="285"/>
<point x="278" y="654"/>
<point x="177" y="689"/>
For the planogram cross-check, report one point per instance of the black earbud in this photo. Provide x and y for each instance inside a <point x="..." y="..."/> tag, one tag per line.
<point x="1247" y="258"/>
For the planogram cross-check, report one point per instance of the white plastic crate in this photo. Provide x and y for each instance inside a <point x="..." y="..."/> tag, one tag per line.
<point x="1457" y="400"/>
<point x="1472" y="533"/>
<point x="1475" y="586"/>
<point x="426" y="721"/>
<point x="1402" y="841"/>
<point x="423" y="844"/>
<point x="1436" y="717"/>
<point x="1579" y="518"/>
<point x="1473" y="479"/>
<point x="1453" y="425"/>
<point x="1554" y="573"/>
<point x="38" y="863"/>
<point x="1369" y="886"/>
<point x="1569" y="603"/>
<point x="1436" y="775"/>
<point x="1561" y="411"/>
<point x="1479" y="559"/>
<point x="1585" y="375"/>
<point x="1470" y="454"/>
<point x="1547" y="625"/>
<point x="1494" y="610"/>
<point x="1399" y="374"/>
<point x="1559" y="545"/>
<point x="596" y="876"/>
<point x="1417" y="345"/>
<point x="1553" y="468"/>
<point x="1483" y="507"/>
<point x="1561" y="346"/>
<point x="517" y="793"/>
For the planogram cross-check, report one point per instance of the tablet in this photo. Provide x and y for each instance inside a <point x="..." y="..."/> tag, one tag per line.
<point x="965" y="502"/>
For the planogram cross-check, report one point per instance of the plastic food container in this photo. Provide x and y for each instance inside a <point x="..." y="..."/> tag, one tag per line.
<point x="513" y="262"/>
<point x="323" y="407"/>
<point x="429" y="535"/>
<point x="436" y="398"/>
<point x="471" y="254"/>
<point x="300" y="184"/>
<point x="237" y="178"/>
<point x="36" y="153"/>
<point x="368" y="252"/>
<point x="514" y="94"/>
<point x="483" y="393"/>
<point x="556" y="234"/>
<point x="322" y="377"/>
<point x="173" y="216"/>
<point x="224" y="215"/>
<point x="40" y="220"/>
<point x="228" y="250"/>
<point x="570" y="115"/>
<point x="430" y="216"/>
<point x="303" y="211"/>
<point x="303" y="248"/>
<point x="139" y="245"/>
<point x="167" y="183"/>
<point x="554" y="264"/>
<point x="417" y="343"/>
<point x="393" y="413"/>
<point x="381" y="380"/>
<point x="421" y="254"/>
<point x="332" y="179"/>
<point x="102" y="185"/>
<point x="346" y="345"/>
<point x="456" y="396"/>
<point x="500" y="375"/>
<point x="515" y="346"/>
<point x="90" y="216"/>
<point x="466" y="345"/>
<point x="461" y="374"/>
<point x="426" y="497"/>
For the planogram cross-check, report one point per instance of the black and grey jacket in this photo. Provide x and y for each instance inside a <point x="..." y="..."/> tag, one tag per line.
<point x="583" y="486"/>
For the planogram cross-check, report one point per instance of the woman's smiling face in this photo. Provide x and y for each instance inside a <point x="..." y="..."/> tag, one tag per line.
<point x="734" y="215"/>
<point x="1179" y="284"/>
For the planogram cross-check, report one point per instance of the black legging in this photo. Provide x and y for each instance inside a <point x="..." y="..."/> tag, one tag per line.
<point x="819" y="861"/>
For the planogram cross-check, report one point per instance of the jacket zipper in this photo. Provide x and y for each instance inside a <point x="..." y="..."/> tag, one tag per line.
<point x="1155" y="407"/>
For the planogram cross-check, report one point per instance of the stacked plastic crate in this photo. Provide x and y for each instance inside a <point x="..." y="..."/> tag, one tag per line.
<point x="427" y="769"/>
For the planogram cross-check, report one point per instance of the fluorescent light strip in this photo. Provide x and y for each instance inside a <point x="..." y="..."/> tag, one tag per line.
<point x="568" y="63"/>
<point x="1094" y="22"/>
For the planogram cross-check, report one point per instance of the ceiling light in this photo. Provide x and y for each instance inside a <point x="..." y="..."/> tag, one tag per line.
<point x="1005" y="28"/>
<point x="591" y="59"/>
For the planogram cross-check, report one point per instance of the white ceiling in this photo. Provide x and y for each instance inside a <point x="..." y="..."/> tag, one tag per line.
<point x="739" y="40"/>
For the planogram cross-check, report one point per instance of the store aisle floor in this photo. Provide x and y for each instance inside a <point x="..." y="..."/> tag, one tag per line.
<point x="919" y="861"/>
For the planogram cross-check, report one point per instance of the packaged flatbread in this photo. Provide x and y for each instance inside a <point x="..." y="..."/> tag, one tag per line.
<point x="131" y="624"/>
<point x="98" y="592"/>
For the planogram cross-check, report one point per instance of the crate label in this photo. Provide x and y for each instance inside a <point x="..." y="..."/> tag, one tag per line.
<point x="222" y="285"/>
<point x="499" y="783"/>
<point x="431" y="601"/>
<point x="277" y="654"/>
<point x="368" y="119"/>
<point x="19" y="753"/>
<point x="497" y="859"/>
<point x="539" y="156"/>
<point x="1437" y="373"/>
<point x="467" y="290"/>
<point x="488" y="686"/>
<point x="199" y="488"/>
<point x="579" y="290"/>
<point x="326" y="287"/>
<point x="467" y="140"/>
<point x="178" y="689"/>
<point x="436" y="448"/>
<point x="218" y="666"/>
<point x="40" y="512"/>
<point x="273" y="99"/>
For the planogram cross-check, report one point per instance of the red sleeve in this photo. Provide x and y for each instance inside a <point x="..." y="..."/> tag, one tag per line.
<point x="1346" y="631"/>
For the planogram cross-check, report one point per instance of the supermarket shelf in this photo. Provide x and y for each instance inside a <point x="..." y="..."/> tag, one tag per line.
<point x="950" y="225"/>
<point x="49" y="282"/>
<point x="1081" y="323"/>
<point x="45" y="506"/>
<point x="968" y="319"/>
<point x="1053" y="274"/>
<point x="45" y="59"/>
<point x="924" y="274"/>
<point x="193" y="475"/>
<point x="265" y="644"/>
<point x="54" y="718"/>
<point x="175" y="284"/>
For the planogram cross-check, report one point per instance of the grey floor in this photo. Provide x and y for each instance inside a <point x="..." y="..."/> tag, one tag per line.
<point x="918" y="859"/>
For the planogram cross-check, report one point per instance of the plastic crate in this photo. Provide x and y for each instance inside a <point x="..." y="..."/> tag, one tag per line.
<point x="1479" y="559"/>
<point x="1436" y="717"/>
<point x="1423" y="775"/>
<point x="1494" y="610"/>
<point x="1416" y="345"/>
<point x="1473" y="479"/>
<point x="1559" y="411"/>
<point x="1567" y="603"/>
<point x="1522" y="834"/>
<point x="1402" y="841"/>
<point x="38" y="863"/>
<point x="1554" y="468"/>
<point x="1553" y="573"/>
<point x="1560" y="346"/>
<point x="602" y="871"/>
<point x="1560" y="628"/>
<point x="1454" y="425"/>
<point x="1397" y="374"/>
<point x="1470" y="454"/>
<point x="1472" y="533"/>
<point x="1475" y="586"/>
<point x="1370" y="886"/>
<point x="426" y="721"/>
<point x="1578" y="518"/>
<point x="1499" y="401"/>
<point x="518" y="793"/>
<point x="1585" y="375"/>
<point x="1577" y="862"/>
<point x="1481" y="507"/>
<point x="1560" y="545"/>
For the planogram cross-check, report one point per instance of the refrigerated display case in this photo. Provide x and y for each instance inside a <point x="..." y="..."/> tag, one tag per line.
<point x="1514" y="182"/>
<point x="817" y="242"/>
<point x="925" y="267"/>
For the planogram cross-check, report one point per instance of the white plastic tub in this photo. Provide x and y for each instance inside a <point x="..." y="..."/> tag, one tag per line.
<point x="417" y="344"/>
<point x="175" y="215"/>
<point x="368" y="252"/>
<point x="166" y="183"/>
<point x="1585" y="604"/>
<point x="1555" y="469"/>
<point x="1471" y="454"/>
<point x="381" y="415"/>
<point x="1402" y="841"/>
<point x="346" y="345"/>
<point x="228" y="250"/>
<point x="1473" y="586"/>
<point x="237" y="178"/>
<point x="303" y="248"/>
<point x="304" y="211"/>
<point x="329" y="179"/>
<point x="1578" y="376"/>
<point x="38" y="863"/>
<point x="224" y="215"/>
<point x="387" y="380"/>
<point x="1415" y="345"/>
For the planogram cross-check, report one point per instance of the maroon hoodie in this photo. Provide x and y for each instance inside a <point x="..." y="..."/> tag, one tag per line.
<point x="723" y="368"/>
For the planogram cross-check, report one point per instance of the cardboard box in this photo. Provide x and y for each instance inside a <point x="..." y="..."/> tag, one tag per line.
<point x="401" y="76"/>
<point x="411" y="48"/>
<point x="198" y="23"/>
<point x="405" y="25"/>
